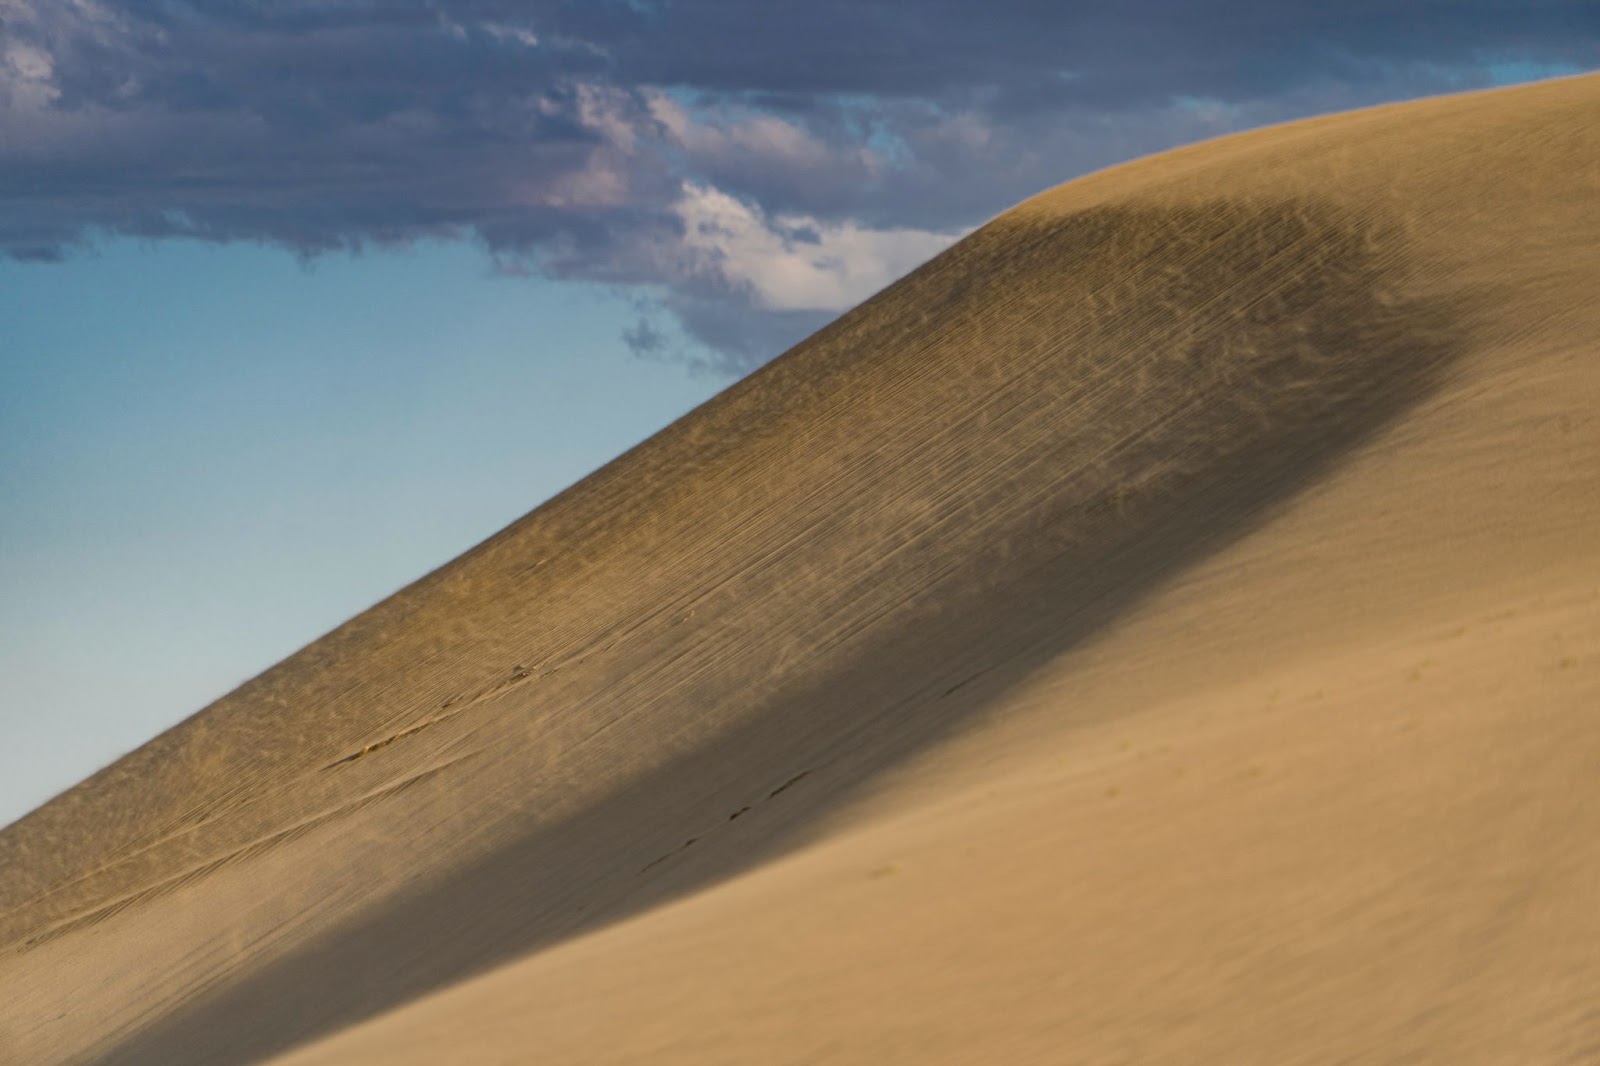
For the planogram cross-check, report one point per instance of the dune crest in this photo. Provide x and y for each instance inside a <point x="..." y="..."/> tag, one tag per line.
<point x="1163" y="627"/>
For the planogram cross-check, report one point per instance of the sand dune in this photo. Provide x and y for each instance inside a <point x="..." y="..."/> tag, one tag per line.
<point x="1165" y="627"/>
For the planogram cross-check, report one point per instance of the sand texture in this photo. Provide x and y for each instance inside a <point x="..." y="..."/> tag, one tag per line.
<point x="1163" y="628"/>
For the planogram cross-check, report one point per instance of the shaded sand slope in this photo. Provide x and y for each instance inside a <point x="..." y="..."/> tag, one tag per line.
<point x="1166" y="625"/>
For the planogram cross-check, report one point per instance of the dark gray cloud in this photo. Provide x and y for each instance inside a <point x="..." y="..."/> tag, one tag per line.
<point x="751" y="167"/>
<point x="1020" y="53"/>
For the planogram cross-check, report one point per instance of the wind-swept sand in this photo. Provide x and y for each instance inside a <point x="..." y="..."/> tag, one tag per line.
<point x="1164" y="628"/>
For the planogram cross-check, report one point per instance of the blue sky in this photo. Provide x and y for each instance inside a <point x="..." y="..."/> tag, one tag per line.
<point x="210" y="455"/>
<point x="299" y="300"/>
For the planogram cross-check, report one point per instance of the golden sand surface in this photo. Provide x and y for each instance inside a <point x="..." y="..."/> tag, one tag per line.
<point x="1163" y="628"/>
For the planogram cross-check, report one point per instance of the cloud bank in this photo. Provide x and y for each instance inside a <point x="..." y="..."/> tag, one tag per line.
<point x="745" y="170"/>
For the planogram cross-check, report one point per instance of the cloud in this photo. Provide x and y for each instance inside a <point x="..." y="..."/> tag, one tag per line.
<point x="793" y="262"/>
<point x="742" y="285"/>
<point x="750" y="168"/>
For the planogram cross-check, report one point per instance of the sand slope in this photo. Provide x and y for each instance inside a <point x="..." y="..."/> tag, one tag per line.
<point x="1164" y="627"/>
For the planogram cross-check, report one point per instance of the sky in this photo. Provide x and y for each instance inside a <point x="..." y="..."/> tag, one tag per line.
<point x="299" y="299"/>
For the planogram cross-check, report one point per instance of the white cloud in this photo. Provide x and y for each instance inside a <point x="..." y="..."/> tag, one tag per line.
<point x="794" y="262"/>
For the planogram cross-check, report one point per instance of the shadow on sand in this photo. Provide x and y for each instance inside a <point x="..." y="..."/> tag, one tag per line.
<point x="1212" y="361"/>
